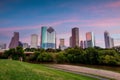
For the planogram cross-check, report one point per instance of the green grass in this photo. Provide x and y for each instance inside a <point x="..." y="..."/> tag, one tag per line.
<point x="15" y="70"/>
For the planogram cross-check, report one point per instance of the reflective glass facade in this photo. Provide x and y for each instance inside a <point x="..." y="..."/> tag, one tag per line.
<point x="90" y="39"/>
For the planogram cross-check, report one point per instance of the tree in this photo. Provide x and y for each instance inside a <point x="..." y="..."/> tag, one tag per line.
<point x="109" y="57"/>
<point x="61" y="57"/>
<point x="75" y="55"/>
<point x="92" y="56"/>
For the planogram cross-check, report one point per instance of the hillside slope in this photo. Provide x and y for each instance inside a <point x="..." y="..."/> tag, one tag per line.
<point x="15" y="70"/>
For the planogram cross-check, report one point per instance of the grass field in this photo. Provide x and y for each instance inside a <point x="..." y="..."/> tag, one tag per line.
<point x="15" y="70"/>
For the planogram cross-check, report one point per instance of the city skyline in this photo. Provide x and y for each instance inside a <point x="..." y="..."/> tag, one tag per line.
<point x="27" y="17"/>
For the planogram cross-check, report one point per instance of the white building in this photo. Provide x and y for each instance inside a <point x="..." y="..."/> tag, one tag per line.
<point x="34" y="41"/>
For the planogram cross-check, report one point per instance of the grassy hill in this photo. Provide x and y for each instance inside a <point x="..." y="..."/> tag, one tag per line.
<point x="15" y="70"/>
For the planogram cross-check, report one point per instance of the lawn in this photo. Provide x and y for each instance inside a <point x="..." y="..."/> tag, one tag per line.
<point x="15" y="70"/>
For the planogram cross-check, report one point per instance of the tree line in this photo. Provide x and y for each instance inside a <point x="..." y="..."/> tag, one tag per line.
<point x="77" y="55"/>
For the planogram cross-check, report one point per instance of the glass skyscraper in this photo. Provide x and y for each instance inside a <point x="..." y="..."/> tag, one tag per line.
<point x="48" y="38"/>
<point x="44" y="37"/>
<point x="51" y="38"/>
<point x="90" y="39"/>
<point x="109" y="42"/>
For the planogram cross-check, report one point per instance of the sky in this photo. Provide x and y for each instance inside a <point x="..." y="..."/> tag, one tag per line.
<point x="28" y="16"/>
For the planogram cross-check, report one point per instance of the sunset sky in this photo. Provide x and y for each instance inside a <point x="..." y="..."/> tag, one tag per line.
<point x="27" y="17"/>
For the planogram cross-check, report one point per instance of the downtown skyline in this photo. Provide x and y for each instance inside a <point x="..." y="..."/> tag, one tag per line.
<point x="27" y="17"/>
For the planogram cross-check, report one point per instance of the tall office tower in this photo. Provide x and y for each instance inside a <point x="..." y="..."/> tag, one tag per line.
<point x="90" y="39"/>
<point x="112" y="42"/>
<point x="82" y="44"/>
<point x="75" y="37"/>
<point x="85" y="44"/>
<point x="48" y="38"/>
<point x="34" y="41"/>
<point x="51" y="38"/>
<point x="44" y="37"/>
<point x="109" y="42"/>
<point x="70" y="41"/>
<point x="14" y="41"/>
<point x="62" y="45"/>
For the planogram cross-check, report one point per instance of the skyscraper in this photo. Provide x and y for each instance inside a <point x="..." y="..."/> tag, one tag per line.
<point x="14" y="41"/>
<point x="34" y="41"/>
<point x="112" y="42"/>
<point x="85" y="44"/>
<point x="62" y="44"/>
<point x="75" y="37"/>
<point x="109" y="42"/>
<point x="82" y="44"/>
<point x="70" y="41"/>
<point x="51" y="38"/>
<point x="48" y="38"/>
<point x="44" y="37"/>
<point x="90" y="39"/>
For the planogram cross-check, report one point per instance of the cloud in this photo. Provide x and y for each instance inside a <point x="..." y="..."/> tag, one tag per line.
<point x="53" y="24"/>
<point x="114" y="4"/>
<point x="105" y="22"/>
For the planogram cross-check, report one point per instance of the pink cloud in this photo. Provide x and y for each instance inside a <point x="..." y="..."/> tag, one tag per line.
<point x="53" y="24"/>
<point x="106" y="22"/>
<point x="114" y="4"/>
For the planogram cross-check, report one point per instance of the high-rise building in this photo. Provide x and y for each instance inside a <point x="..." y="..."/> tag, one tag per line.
<point x="90" y="39"/>
<point x="82" y="44"/>
<point x="48" y="38"/>
<point x="51" y="38"/>
<point x="62" y="44"/>
<point x="70" y="41"/>
<point x="85" y="44"/>
<point x="109" y="42"/>
<point x="14" y="41"/>
<point x="75" y="37"/>
<point x="34" y="41"/>
<point x="44" y="37"/>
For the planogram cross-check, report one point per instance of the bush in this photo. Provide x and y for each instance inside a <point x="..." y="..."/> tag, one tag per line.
<point x="15" y="53"/>
<point x="45" y="57"/>
<point x="61" y="58"/>
<point x="109" y="57"/>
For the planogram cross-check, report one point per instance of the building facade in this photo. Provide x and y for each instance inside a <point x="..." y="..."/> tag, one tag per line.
<point x="34" y="41"/>
<point x="82" y="44"/>
<point x="90" y="39"/>
<point x="44" y="37"/>
<point x="48" y="38"/>
<point x="14" y="41"/>
<point x="51" y="38"/>
<point x="75" y="37"/>
<point x="109" y="42"/>
<point x="62" y="44"/>
<point x="70" y="41"/>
